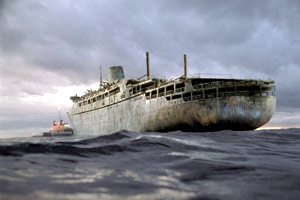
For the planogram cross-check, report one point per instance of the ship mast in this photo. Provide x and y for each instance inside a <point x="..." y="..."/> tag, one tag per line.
<point x="100" y="69"/>
<point x="148" y="66"/>
<point x="59" y="114"/>
<point x="185" y="68"/>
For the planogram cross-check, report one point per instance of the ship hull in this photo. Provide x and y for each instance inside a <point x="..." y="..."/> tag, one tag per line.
<point x="159" y="114"/>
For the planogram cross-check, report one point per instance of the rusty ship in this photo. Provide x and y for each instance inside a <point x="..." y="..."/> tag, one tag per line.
<point x="186" y="104"/>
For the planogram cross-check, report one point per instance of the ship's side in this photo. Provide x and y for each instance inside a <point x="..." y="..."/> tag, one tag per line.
<point x="194" y="104"/>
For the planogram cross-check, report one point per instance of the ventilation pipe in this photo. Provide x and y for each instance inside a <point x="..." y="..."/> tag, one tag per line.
<point x="148" y="67"/>
<point x="185" y="68"/>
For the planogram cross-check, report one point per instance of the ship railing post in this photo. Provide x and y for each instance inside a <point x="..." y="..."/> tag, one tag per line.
<point x="175" y="88"/>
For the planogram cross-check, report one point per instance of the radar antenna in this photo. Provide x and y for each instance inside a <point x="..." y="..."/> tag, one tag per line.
<point x="59" y="114"/>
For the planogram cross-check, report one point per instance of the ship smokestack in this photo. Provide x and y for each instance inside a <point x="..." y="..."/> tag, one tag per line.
<point x="115" y="73"/>
<point x="148" y="67"/>
<point x="185" y="68"/>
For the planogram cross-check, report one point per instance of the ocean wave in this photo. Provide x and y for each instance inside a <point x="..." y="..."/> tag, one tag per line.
<point x="174" y="165"/>
<point x="124" y="141"/>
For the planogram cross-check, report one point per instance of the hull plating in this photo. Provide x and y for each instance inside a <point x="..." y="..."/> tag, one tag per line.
<point x="139" y="114"/>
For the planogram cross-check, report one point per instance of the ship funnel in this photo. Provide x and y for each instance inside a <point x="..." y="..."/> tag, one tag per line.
<point x="148" y="67"/>
<point x="115" y="73"/>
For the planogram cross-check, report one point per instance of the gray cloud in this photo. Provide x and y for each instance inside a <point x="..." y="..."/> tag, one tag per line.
<point x="44" y="41"/>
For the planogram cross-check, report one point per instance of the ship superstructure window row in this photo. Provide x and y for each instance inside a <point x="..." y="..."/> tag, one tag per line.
<point x="174" y="90"/>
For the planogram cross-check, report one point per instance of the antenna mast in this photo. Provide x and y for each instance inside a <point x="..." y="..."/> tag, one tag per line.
<point x="148" y="66"/>
<point x="100" y="69"/>
<point x="59" y="114"/>
<point x="185" y="67"/>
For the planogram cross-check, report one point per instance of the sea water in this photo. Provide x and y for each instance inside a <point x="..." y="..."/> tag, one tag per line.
<point x="176" y="165"/>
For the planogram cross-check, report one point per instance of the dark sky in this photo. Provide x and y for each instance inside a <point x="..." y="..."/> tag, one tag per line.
<point x="51" y="48"/>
